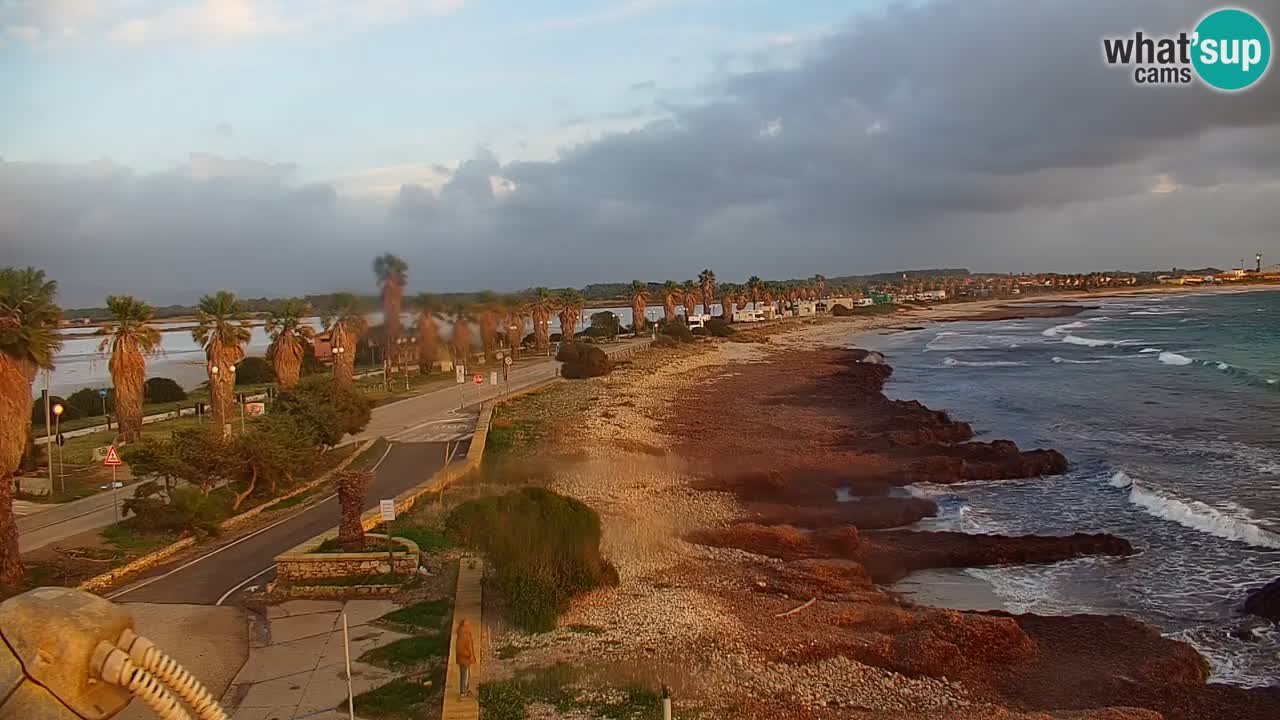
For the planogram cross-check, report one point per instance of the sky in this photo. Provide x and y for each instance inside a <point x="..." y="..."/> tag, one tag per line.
<point x="274" y="147"/>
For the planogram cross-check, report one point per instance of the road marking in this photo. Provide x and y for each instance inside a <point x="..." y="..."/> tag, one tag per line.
<point x="228" y="546"/>
<point x="246" y="581"/>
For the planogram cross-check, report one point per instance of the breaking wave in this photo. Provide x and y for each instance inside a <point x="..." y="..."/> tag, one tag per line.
<point x="1150" y="350"/>
<point x="1087" y="342"/>
<point x="1170" y="358"/>
<point x="952" y="362"/>
<point x="1061" y="360"/>
<point x="1234" y="524"/>
<point x="1057" y="330"/>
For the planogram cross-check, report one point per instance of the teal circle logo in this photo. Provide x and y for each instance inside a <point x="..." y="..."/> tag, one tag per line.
<point x="1232" y="49"/>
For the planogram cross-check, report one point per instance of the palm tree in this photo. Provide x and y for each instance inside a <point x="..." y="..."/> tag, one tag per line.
<point x="489" y="306"/>
<point x="28" y="341"/>
<point x="728" y="296"/>
<point x="428" y="334"/>
<point x="707" y="281"/>
<point x="820" y="285"/>
<point x="345" y="323"/>
<point x="290" y="334"/>
<point x="541" y="305"/>
<point x="638" y="295"/>
<point x="460" y="312"/>
<point x="129" y="337"/>
<point x="570" y="302"/>
<point x="671" y="294"/>
<point x="222" y="329"/>
<point x="393" y="275"/>
<point x="689" y="297"/>
<point x="755" y="286"/>
<point x="513" y="308"/>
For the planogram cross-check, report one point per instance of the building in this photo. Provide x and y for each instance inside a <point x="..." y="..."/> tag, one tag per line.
<point x="932" y="295"/>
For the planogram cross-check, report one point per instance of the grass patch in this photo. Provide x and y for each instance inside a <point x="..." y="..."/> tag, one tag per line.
<point x="124" y="536"/>
<point x="398" y="699"/>
<point x="580" y="629"/>
<point x="362" y="580"/>
<point x="409" y="652"/>
<point x="426" y="615"/>
<point x="370" y="457"/>
<point x="545" y="549"/>
<point x="371" y="545"/>
<point x="510" y="699"/>
<point x="428" y="539"/>
<point x="506" y="652"/>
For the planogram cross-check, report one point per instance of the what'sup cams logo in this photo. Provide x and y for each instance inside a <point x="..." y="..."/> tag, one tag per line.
<point x="1229" y="50"/>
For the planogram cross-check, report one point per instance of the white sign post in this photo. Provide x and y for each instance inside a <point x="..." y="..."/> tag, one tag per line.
<point x="388" y="510"/>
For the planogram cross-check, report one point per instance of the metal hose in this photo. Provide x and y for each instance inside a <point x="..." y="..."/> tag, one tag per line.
<point x="114" y="666"/>
<point x="144" y="653"/>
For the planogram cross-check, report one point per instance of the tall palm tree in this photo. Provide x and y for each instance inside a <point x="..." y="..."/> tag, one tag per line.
<point x="728" y="297"/>
<point x="820" y="285"/>
<point x="222" y="329"/>
<point x="28" y="341"/>
<point x="461" y="312"/>
<point x="689" y="297"/>
<point x="129" y="337"/>
<point x="488" y="308"/>
<point x="428" y="333"/>
<point x="541" y="305"/>
<point x="707" y="281"/>
<point x="345" y="323"/>
<point x="638" y="295"/>
<point x="570" y="302"/>
<point x="513" y="312"/>
<point x="290" y="334"/>
<point x="755" y="287"/>
<point x="671" y="294"/>
<point x="393" y="275"/>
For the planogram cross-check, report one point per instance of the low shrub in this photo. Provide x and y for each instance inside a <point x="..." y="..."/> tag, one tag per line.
<point x="37" y="410"/>
<point x="182" y="509"/>
<point x="700" y="331"/>
<point x="840" y="311"/>
<point x="545" y="548"/>
<point x="254" y="371"/>
<point x="163" y="389"/>
<point x="678" y="331"/>
<point x="87" y="402"/>
<point x="665" y="341"/>
<point x="583" y="361"/>
<point x="717" y="327"/>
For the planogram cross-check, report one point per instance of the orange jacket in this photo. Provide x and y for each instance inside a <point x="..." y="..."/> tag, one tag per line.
<point x="465" y="654"/>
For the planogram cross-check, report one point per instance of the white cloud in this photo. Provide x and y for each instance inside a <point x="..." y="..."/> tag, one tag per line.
<point x="612" y="13"/>
<point x="772" y="129"/>
<point x="385" y="182"/>
<point x="1164" y="184"/>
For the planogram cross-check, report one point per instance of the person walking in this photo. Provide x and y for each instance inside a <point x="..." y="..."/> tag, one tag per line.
<point x="464" y="655"/>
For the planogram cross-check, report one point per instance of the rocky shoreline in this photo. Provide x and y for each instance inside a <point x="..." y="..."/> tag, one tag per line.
<point x="755" y="554"/>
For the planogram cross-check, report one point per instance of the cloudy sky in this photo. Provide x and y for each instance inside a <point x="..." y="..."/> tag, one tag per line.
<point x="275" y="146"/>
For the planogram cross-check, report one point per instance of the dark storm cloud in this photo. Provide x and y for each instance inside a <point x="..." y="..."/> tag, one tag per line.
<point x="978" y="133"/>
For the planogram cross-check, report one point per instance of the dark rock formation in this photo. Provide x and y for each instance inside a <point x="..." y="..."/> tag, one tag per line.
<point x="1265" y="601"/>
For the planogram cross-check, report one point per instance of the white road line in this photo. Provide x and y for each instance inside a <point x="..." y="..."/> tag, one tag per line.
<point x="246" y="581"/>
<point x="228" y="546"/>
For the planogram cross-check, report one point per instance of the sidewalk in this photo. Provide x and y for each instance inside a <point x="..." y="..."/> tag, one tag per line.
<point x="297" y="664"/>
<point x="467" y="604"/>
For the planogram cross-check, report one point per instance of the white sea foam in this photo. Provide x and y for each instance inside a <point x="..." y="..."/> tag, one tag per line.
<point x="1087" y="342"/>
<point x="1068" y="361"/>
<point x="1150" y="350"/>
<point x="1231" y="524"/>
<point x="1169" y="358"/>
<point x="952" y="341"/>
<point x="1120" y="480"/>
<point x="1157" y="312"/>
<point x="1057" y="330"/>
<point x="952" y="362"/>
<point x="1223" y="366"/>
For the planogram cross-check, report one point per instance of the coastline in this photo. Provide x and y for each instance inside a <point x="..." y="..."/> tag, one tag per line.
<point x="715" y="556"/>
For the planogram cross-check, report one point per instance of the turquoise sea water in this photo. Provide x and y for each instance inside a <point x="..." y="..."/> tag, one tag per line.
<point x="1168" y="408"/>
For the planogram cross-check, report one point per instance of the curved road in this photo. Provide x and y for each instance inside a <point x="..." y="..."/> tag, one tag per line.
<point x="214" y="576"/>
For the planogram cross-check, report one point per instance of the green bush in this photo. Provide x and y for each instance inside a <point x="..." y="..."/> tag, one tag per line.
<point x="717" y="327"/>
<point x="327" y="410"/>
<point x="678" y="331"/>
<point x="254" y="371"/>
<point x="37" y="410"/>
<point x="583" y="361"/>
<point x="605" y="324"/>
<point x="545" y="549"/>
<point x="665" y="341"/>
<point x="699" y="331"/>
<point x="163" y="389"/>
<point x="87" y="402"/>
<point x="840" y="311"/>
<point x="183" y="509"/>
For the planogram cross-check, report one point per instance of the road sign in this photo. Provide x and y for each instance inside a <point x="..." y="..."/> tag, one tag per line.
<point x="113" y="458"/>
<point x="388" y="510"/>
<point x="102" y="392"/>
<point x="493" y="378"/>
<point x="62" y="439"/>
<point x="507" y="360"/>
<point x="461" y="373"/>
<point x="478" y="379"/>
<point x="255" y="409"/>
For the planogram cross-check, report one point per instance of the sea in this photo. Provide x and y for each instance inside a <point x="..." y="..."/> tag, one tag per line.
<point x="1168" y="409"/>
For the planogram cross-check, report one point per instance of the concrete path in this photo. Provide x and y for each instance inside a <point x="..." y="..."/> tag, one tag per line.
<point x="59" y="522"/>
<point x="467" y="604"/>
<point x="297" y="664"/>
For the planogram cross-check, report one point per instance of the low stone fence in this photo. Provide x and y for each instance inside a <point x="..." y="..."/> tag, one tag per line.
<point x="300" y="566"/>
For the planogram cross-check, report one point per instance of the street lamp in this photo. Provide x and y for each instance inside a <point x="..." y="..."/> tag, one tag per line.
<point x="57" y="434"/>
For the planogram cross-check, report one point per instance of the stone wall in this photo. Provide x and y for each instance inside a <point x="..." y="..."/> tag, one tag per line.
<point x="298" y="567"/>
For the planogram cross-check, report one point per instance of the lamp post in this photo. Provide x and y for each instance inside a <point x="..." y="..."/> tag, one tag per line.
<point x="57" y="434"/>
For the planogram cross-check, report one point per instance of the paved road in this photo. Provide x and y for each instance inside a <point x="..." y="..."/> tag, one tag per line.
<point x="409" y="419"/>
<point x="213" y="577"/>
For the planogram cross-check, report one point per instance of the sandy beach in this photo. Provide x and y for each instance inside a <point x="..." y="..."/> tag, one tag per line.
<point x="750" y="590"/>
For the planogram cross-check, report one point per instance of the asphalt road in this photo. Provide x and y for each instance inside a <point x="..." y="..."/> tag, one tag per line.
<point x="223" y="570"/>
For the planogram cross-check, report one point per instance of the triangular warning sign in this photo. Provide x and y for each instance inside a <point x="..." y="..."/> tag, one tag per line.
<point x="112" y="457"/>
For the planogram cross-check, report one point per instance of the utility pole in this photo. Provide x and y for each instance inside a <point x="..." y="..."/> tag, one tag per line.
<point x="48" y="447"/>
